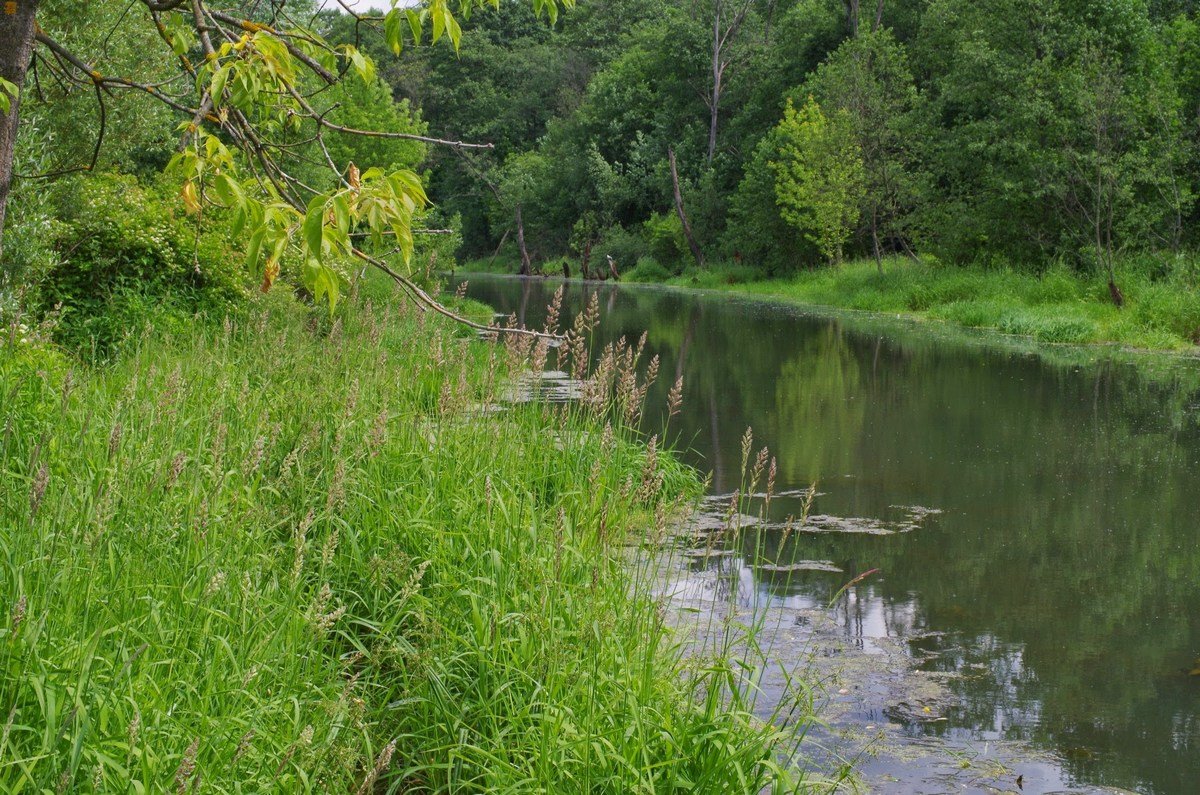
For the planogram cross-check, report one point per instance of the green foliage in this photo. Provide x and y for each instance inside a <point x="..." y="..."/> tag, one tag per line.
<point x="212" y="576"/>
<point x="647" y="270"/>
<point x="625" y="246"/>
<point x="664" y="238"/>
<point x="125" y="255"/>
<point x="819" y="180"/>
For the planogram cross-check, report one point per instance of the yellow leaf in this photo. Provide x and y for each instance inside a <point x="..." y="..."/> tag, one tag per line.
<point x="191" y="201"/>
<point x="270" y="272"/>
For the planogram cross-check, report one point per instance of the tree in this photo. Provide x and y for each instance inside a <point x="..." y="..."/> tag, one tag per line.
<point x="868" y="78"/>
<point x="819" y="180"/>
<point x="248" y="87"/>
<point x="519" y="179"/>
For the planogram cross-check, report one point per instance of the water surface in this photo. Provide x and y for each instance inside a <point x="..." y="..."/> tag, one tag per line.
<point x="1061" y="578"/>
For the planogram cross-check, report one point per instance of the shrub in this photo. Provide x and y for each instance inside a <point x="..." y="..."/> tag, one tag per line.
<point x="648" y="269"/>
<point x="622" y="245"/>
<point x="664" y="239"/>
<point x="125" y="253"/>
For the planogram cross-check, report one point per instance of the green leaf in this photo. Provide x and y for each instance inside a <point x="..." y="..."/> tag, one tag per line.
<point x="254" y="247"/>
<point x="216" y="88"/>
<point x="341" y="212"/>
<point x="228" y="191"/>
<point x="415" y="24"/>
<point x="391" y="30"/>
<point x="314" y="223"/>
<point x="322" y="281"/>
<point x="437" y="12"/>
<point x="361" y="63"/>
<point x="8" y="93"/>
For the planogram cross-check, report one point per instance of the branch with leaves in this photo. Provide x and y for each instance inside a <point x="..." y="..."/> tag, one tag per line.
<point x="248" y="88"/>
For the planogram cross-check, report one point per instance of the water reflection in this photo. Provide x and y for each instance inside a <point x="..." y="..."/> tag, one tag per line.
<point x="1060" y="579"/>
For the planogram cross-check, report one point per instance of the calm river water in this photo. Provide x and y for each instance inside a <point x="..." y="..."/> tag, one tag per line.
<point x="1061" y="578"/>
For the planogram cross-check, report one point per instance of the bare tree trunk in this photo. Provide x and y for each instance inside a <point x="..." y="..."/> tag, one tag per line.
<point x="496" y="253"/>
<point x="687" y="228"/>
<point x="714" y="102"/>
<point x="526" y="265"/>
<point x="16" y="49"/>
<point x="878" y="16"/>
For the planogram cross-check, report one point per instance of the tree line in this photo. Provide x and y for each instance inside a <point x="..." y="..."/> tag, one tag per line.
<point x="798" y="133"/>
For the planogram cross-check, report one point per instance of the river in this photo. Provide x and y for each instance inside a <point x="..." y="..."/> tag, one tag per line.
<point x="1053" y="583"/>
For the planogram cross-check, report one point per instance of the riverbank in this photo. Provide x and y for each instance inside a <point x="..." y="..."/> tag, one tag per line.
<point x="1055" y="307"/>
<point x="296" y="553"/>
<point x="1160" y="313"/>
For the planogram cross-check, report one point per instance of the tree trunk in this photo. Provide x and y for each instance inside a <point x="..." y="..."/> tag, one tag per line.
<point x="526" y="265"/>
<point x="16" y="50"/>
<point x="687" y="228"/>
<point x="714" y="103"/>
<point x="585" y="259"/>
<point x="496" y="253"/>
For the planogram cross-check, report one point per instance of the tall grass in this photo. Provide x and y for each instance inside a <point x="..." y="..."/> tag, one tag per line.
<point x="294" y="555"/>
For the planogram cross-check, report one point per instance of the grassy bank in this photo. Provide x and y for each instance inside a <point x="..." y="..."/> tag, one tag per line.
<point x="1162" y="309"/>
<point x="291" y="555"/>
<point x="1057" y="306"/>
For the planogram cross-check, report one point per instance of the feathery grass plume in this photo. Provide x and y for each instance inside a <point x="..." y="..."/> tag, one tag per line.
<point x="381" y="764"/>
<point x="243" y="745"/>
<point x="553" y="309"/>
<point x="747" y="443"/>
<point x="337" y="487"/>
<point x="300" y="541"/>
<point x="132" y="735"/>
<point x="378" y="435"/>
<point x="37" y="489"/>
<point x="215" y="584"/>
<point x="675" y="398"/>
<point x="173" y="473"/>
<point x="18" y="614"/>
<point x="329" y="548"/>
<point x="760" y="463"/>
<point x="187" y="767"/>
<point x="461" y="291"/>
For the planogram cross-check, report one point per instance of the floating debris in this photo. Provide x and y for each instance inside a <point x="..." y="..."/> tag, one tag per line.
<point x="802" y="565"/>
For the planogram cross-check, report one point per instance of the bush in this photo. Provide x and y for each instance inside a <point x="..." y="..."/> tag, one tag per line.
<point x="648" y="269"/>
<point x="622" y="245"/>
<point x="126" y="253"/>
<point x="664" y="239"/>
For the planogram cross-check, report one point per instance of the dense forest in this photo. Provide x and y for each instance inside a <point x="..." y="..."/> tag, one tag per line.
<point x="1003" y="133"/>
